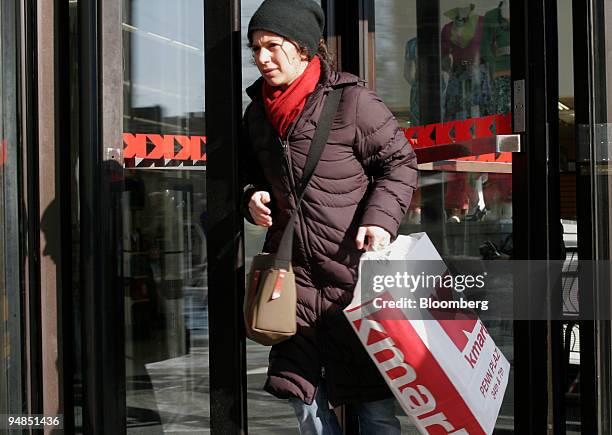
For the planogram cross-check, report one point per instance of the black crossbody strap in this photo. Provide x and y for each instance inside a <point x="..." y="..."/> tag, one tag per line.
<point x="283" y="255"/>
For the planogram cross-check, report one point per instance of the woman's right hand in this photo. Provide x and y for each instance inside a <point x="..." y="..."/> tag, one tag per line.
<point x="259" y="212"/>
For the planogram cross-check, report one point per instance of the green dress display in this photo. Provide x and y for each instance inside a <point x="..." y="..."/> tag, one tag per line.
<point x="495" y="52"/>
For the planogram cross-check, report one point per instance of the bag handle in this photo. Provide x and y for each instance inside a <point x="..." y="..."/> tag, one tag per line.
<point x="283" y="255"/>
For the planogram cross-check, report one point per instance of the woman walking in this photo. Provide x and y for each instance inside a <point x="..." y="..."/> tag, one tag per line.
<point x="355" y="200"/>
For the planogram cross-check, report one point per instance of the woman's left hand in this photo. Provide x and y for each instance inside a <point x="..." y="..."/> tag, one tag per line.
<point x="377" y="238"/>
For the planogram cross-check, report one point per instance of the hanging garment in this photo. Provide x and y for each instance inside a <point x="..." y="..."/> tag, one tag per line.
<point x="495" y="45"/>
<point x="411" y="55"/>
<point x="469" y="88"/>
<point x="495" y="49"/>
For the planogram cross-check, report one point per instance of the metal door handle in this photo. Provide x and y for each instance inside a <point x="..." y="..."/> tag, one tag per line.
<point x="508" y="143"/>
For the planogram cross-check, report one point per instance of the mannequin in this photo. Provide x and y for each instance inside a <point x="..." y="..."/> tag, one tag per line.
<point x="467" y="93"/>
<point x="467" y="96"/>
<point x="410" y="74"/>
<point x="495" y="49"/>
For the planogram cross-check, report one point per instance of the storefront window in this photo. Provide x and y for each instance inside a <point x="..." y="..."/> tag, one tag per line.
<point x="164" y="217"/>
<point x="11" y="267"/>
<point x="443" y="68"/>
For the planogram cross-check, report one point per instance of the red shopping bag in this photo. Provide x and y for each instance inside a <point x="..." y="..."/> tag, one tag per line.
<point x="448" y="375"/>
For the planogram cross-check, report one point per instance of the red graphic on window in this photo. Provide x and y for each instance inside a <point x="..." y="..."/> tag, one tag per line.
<point x="470" y="139"/>
<point x="168" y="150"/>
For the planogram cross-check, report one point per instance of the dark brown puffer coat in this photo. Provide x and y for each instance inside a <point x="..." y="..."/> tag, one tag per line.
<point x="366" y="176"/>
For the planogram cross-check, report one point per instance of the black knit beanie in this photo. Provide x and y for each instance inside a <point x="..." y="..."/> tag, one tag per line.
<point x="301" y="21"/>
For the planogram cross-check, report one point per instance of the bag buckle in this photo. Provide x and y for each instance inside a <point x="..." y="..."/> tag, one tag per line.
<point x="278" y="284"/>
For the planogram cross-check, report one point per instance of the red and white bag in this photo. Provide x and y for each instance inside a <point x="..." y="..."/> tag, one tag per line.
<point x="448" y="375"/>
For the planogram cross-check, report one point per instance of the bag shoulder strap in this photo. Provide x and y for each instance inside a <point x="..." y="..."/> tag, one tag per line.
<point x="320" y="139"/>
<point x="283" y="256"/>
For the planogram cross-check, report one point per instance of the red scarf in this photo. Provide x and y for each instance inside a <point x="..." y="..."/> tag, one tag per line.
<point x="283" y="107"/>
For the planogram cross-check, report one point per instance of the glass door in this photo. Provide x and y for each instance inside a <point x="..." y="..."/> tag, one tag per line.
<point x="592" y="22"/>
<point x="443" y="68"/>
<point x="151" y="210"/>
<point x="164" y="217"/>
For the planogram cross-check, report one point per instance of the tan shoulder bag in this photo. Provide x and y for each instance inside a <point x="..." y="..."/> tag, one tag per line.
<point x="270" y="297"/>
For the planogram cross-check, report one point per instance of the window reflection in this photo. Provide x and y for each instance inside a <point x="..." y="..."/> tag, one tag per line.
<point x="453" y="113"/>
<point x="446" y="77"/>
<point x="164" y="217"/>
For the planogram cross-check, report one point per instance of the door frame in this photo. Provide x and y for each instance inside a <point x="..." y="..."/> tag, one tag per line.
<point x="537" y="230"/>
<point x="227" y="342"/>
<point x="591" y="88"/>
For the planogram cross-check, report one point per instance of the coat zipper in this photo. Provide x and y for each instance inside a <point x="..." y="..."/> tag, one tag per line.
<point x="319" y="300"/>
<point x="285" y="147"/>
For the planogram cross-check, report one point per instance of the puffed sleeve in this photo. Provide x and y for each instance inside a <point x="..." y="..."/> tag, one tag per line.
<point x="388" y="159"/>
<point x="253" y="178"/>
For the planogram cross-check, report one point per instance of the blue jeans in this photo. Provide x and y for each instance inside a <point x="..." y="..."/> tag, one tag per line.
<point x="375" y="418"/>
